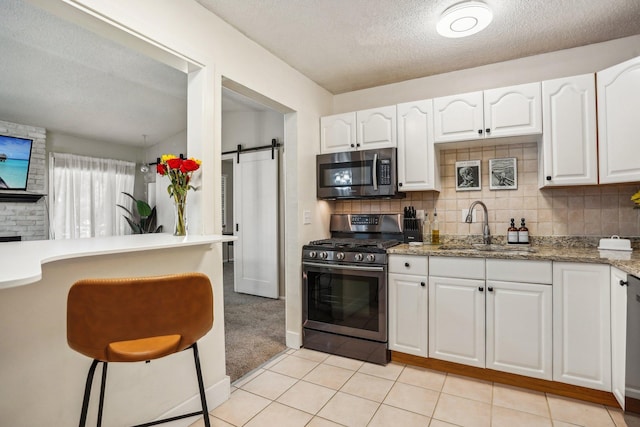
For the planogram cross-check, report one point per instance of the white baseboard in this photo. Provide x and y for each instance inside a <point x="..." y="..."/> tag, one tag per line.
<point x="293" y="340"/>
<point x="217" y="394"/>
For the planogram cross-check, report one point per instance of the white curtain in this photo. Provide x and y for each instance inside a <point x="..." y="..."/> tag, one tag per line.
<point x="84" y="192"/>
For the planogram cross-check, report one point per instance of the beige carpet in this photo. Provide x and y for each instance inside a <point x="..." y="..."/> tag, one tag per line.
<point x="254" y="328"/>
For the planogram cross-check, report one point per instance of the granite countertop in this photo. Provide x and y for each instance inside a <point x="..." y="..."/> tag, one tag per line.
<point x="629" y="262"/>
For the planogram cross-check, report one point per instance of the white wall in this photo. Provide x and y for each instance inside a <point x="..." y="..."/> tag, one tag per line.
<point x="65" y="143"/>
<point x="251" y="129"/>
<point x="563" y="63"/>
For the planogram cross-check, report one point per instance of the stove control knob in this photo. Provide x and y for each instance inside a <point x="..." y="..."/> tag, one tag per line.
<point x="340" y="256"/>
<point x="358" y="257"/>
<point x="312" y="254"/>
<point x="323" y="255"/>
<point x="371" y="257"/>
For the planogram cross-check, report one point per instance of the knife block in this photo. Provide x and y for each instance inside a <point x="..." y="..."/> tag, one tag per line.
<point x="412" y="230"/>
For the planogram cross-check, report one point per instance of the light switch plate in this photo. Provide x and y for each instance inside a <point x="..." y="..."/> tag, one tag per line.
<point x="306" y="217"/>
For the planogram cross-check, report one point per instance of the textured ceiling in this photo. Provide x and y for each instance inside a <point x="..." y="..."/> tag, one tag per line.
<point x="346" y="45"/>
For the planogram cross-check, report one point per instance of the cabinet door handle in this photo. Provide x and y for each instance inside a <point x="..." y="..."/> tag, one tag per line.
<point x="480" y="288"/>
<point x="423" y="284"/>
<point x="490" y="289"/>
<point x="357" y="145"/>
<point x="353" y="145"/>
<point x="406" y="264"/>
<point x="479" y="131"/>
<point x="548" y="178"/>
<point x="399" y="184"/>
<point x="488" y="130"/>
<point x="624" y="283"/>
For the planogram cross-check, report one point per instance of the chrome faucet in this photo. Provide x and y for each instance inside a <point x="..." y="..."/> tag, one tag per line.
<point x="486" y="234"/>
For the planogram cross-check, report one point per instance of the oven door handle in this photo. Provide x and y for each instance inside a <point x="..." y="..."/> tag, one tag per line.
<point x="342" y="267"/>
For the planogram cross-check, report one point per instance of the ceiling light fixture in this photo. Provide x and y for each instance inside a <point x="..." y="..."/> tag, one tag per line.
<point x="464" y="19"/>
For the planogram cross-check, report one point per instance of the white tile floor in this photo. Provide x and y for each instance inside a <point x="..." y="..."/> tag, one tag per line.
<point x="308" y="388"/>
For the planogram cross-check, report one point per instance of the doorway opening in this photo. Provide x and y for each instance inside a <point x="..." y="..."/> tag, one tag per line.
<point x="253" y="194"/>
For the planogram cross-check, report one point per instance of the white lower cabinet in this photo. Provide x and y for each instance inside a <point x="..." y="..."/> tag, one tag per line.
<point x="456" y="320"/>
<point x="496" y="323"/>
<point x="519" y="328"/>
<point x="557" y="321"/>
<point x="408" y="321"/>
<point x="456" y="310"/>
<point x="582" y="325"/>
<point x="618" y="334"/>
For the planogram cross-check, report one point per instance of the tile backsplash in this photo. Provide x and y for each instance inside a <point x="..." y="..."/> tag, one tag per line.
<point x="601" y="210"/>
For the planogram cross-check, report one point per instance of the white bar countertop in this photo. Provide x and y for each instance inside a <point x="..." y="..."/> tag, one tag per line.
<point x="21" y="262"/>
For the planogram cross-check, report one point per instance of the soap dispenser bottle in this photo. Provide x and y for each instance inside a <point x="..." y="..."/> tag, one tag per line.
<point x="523" y="233"/>
<point x="512" y="232"/>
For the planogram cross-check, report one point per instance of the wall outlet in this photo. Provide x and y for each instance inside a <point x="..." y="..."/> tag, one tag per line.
<point x="465" y="212"/>
<point x="306" y="217"/>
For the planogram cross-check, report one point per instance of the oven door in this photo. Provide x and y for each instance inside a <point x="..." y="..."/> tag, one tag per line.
<point x="346" y="300"/>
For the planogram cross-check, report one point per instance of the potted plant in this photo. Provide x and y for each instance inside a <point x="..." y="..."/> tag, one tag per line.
<point x="143" y="219"/>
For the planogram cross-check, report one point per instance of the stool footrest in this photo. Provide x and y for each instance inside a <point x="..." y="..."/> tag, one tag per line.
<point x="166" y="420"/>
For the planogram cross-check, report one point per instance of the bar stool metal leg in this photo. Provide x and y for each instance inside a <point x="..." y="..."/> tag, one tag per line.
<point x="87" y="393"/>
<point x="102" y="387"/>
<point x="203" y="398"/>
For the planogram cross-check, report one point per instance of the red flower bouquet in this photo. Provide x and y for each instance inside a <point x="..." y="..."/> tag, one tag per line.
<point x="179" y="171"/>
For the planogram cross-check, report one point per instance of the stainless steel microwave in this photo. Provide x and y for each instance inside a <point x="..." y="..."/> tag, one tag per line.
<point x="357" y="174"/>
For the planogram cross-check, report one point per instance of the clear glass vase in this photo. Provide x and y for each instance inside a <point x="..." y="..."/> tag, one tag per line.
<point x="180" y="205"/>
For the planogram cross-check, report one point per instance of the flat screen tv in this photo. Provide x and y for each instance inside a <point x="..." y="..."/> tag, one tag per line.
<point x="15" y="156"/>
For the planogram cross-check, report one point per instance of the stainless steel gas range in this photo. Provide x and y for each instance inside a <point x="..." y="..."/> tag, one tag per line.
<point x="345" y="287"/>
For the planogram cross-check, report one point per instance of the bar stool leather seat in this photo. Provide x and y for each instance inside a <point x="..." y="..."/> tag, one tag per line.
<point x="138" y="319"/>
<point x="143" y="348"/>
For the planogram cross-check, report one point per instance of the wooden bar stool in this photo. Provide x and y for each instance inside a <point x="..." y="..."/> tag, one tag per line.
<point x="138" y="319"/>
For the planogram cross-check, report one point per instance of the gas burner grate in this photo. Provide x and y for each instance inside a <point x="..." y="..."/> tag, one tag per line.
<point x="355" y="243"/>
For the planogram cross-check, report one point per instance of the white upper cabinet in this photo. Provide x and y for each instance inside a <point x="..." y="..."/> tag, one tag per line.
<point x="569" y="150"/>
<point x="513" y="111"/>
<point x="376" y="128"/>
<point x="418" y="165"/>
<point x="458" y="117"/>
<point x="502" y="112"/>
<point x="618" y="107"/>
<point x="338" y="133"/>
<point x="361" y="130"/>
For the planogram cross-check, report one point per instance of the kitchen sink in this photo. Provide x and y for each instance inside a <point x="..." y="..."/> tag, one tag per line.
<point x="488" y="248"/>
